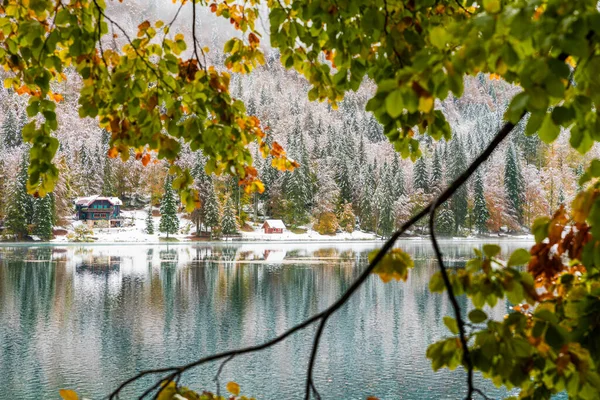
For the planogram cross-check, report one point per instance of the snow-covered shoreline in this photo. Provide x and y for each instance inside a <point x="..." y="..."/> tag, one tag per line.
<point x="136" y="234"/>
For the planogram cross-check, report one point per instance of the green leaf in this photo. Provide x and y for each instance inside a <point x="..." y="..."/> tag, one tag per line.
<point x="477" y="316"/>
<point x="451" y="325"/>
<point x="554" y="337"/>
<point x="393" y="103"/>
<point x="563" y="115"/>
<point x="518" y="257"/>
<point x="436" y="283"/>
<point x="540" y="229"/>
<point x="491" y="250"/>
<point x="549" y="131"/>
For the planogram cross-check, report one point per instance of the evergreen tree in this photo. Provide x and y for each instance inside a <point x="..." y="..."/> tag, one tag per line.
<point x="437" y="173"/>
<point x="513" y="184"/>
<point x="385" y="204"/>
<point x="229" y="224"/>
<point x="108" y="184"/>
<point x="398" y="180"/>
<point x="42" y="217"/>
<point x="149" y="221"/>
<point x="444" y="222"/>
<point x="458" y="164"/>
<point x="421" y="177"/>
<point x="169" y="222"/>
<point x="480" y="209"/>
<point x="11" y="131"/>
<point x="20" y="203"/>
<point x="366" y="203"/>
<point x="211" y="215"/>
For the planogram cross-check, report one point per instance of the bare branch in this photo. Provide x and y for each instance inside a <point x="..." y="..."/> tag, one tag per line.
<point x="455" y="306"/>
<point x="324" y="315"/>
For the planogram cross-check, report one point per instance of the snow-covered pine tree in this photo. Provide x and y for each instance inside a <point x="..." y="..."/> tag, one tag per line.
<point x="421" y="176"/>
<point x="366" y="204"/>
<point x="11" y="131"/>
<point x="149" y="221"/>
<point x="513" y="184"/>
<point x="169" y="222"/>
<point x="398" y="188"/>
<point x="385" y="203"/>
<point x="20" y="203"/>
<point x="229" y="225"/>
<point x="444" y="221"/>
<point x="437" y="174"/>
<point x="480" y="210"/>
<point x="211" y="215"/>
<point x="458" y="163"/>
<point x="42" y="217"/>
<point x="342" y="178"/>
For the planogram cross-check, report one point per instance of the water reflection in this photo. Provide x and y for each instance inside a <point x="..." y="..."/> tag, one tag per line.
<point x="86" y="317"/>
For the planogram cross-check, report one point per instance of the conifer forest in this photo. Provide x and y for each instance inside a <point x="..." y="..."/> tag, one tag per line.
<point x="350" y="177"/>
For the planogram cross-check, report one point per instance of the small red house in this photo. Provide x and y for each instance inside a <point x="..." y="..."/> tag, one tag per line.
<point x="273" y="226"/>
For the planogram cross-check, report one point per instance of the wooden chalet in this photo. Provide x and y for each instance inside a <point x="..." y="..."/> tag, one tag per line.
<point x="99" y="211"/>
<point x="273" y="226"/>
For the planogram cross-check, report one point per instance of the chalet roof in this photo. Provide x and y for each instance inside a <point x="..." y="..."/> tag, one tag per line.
<point x="86" y="201"/>
<point x="274" y="223"/>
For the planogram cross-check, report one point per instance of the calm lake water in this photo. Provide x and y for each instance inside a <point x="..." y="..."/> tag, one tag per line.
<point x="87" y="317"/>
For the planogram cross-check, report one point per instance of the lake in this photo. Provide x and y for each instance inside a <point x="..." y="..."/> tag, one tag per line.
<point x="87" y="317"/>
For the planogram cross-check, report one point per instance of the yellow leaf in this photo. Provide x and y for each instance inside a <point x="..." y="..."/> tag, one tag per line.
<point x="68" y="394"/>
<point x="233" y="388"/>
<point x="178" y="37"/>
<point x="394" y="265"/>
<point x="425" y="104"/>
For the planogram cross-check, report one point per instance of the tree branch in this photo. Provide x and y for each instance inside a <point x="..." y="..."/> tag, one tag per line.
<point x="325" y="314"/>
<point x="455" y="306"/>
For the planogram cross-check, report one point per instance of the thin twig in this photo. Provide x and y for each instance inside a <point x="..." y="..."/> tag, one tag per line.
<point x="219" y="373"/>
<point x="455" y="306"/>
<point x="388" y="245"/>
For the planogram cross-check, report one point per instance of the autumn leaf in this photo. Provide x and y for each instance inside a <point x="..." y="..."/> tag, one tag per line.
<point x="113" y="152"/>
<point x="394" y="265"/>
<point x="233" y="388"/>
<point x="68" y="394"/>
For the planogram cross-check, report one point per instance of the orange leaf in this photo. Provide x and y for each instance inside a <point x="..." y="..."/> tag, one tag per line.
<point x="113" y="152"/>
<point x="68" y="394"/>
<point x="146" y="159"/>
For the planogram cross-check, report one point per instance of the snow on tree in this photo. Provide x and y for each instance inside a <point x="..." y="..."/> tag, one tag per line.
<point x="149" y="222"/>
<point x="513" y="183"/>
<point x="211" y="212"/>
<point x="229" y="225"/>
<point x="535" y="203"/>
<point x="444" y="221"/>
<point x="384" y="203"/>
<point x="398" y="188"/>
<point x="436" y="181"/>
<point x="421" y="176"/>
<point x="11" y="131"/>
<point x="480" y="210"/>
<point x="42" y="217"/>
<point x="20" y="204"/>
<point x="169" y="222"/>
<point x="458" y="164"/>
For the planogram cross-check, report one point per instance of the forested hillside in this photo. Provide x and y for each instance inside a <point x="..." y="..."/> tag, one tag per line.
<point x="349" y="174"/>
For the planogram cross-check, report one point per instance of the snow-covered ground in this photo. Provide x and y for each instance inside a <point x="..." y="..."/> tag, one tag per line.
<point x="310" y="234"/>
<point x="136" y="233"/>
